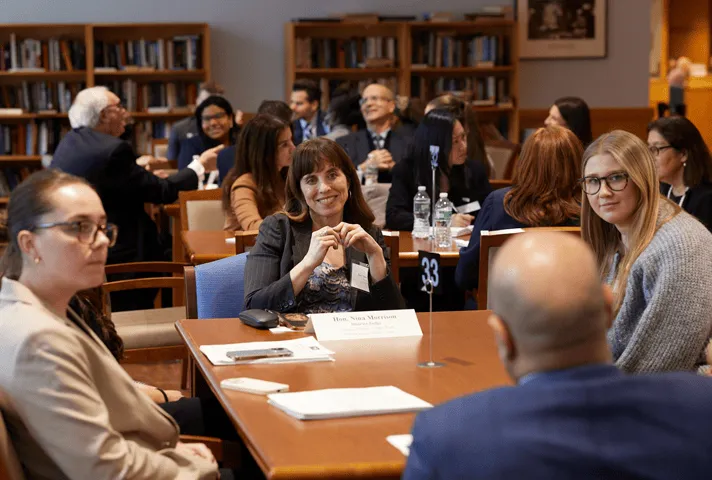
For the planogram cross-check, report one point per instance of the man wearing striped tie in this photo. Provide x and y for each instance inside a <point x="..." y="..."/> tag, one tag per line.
<point x="308" y="117"/>
<point x="377" y="146"/>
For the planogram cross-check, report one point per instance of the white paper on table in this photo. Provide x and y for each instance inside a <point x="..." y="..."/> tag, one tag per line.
<point x="458" y="231"/>
<point x="346" y="402"/>
<point x="230" y="240"/>
<point x="305" y="349"/>
<point x="461" y="242"/>
<point x="401" y="442"/>
<point x="506" y="231"/>
<point x="281" y="330"/>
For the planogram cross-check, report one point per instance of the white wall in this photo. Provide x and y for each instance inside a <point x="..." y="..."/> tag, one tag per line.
<point x="248" y="42"/>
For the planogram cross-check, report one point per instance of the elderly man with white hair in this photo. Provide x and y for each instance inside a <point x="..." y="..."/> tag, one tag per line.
<point x="94" y="151"/>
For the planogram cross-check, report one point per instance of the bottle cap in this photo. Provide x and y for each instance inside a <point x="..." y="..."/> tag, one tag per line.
<point x="421" y="188"/>
<point x="443" y="194"/>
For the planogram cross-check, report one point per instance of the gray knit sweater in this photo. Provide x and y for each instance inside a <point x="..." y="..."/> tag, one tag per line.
<point x="666" y="316"/>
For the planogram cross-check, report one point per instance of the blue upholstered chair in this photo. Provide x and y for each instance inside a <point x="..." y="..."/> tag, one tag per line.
<point x="216" y="289"/>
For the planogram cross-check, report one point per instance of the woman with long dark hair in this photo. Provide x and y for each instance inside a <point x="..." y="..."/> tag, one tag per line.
<point x="303" y="258"/>
<point x="572" y="113"/>
<point x="464" y="180"/>
<point x="254" y="187"/>
<point x="216" y="126"/>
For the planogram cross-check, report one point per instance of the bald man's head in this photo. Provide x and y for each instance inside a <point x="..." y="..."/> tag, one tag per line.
<point x="545" y="288"/>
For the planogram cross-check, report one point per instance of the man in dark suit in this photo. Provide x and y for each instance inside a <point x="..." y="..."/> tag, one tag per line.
<point x="92" y="150"/>
<point x="306" y="105"/>
<point x="378" y="145"/>
<point x="572" y="414"/>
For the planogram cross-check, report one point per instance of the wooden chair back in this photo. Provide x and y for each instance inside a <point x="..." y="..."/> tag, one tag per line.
<point x="159" y="147"/>
<point x="497" y="184"/>
<point x="197" y="214"/>
<point x="504" y="154"/>
<point x="191" y="297"/>
<point x="392" y="241"/>
<point x="490" y="244"/>
<point x="175" y="282"/>
<point x="245" y="240"/>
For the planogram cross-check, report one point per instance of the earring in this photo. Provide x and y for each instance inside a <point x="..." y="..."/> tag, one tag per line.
<point x="349" y="193"/>
<point x="37" y="260"/>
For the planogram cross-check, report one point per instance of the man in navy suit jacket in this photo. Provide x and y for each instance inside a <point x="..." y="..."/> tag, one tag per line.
<point x="305" y="103"/>
<point x="94" y="151"/>
<point x="573" y="415"/>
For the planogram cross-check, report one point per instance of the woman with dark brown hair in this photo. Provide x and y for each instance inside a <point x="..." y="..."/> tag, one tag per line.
<point x="254" y="187"/>
<point x="303" y="259"/>
<point x="464" y="112"/>
<point x="545" y="192"/>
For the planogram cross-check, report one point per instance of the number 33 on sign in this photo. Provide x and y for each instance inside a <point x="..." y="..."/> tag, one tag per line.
<point x="429" y="271"/>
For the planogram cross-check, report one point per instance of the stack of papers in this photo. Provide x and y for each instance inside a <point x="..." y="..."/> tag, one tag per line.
<point x="346" y="402"/>
<point x="306" y="349"/>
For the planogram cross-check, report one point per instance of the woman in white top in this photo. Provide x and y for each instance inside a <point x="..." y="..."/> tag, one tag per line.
<point x="71" y="410"/>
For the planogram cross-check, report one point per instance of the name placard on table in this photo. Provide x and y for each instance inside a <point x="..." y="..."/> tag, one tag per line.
<point x="360" y="325"/>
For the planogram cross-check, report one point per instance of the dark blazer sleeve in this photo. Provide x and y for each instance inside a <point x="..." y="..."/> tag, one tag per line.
<point x="226" y="160"/>
<point x="173" y="145"/>
<point x="189" y="147"/>
<point x="467" y="273"/>
<point x="700" y="205"/>
<point x="267" y="283"/>
<point x="399" y="207"/>
<point x="384" y="295"/>
<point x="420" y="465"/>
<point x="131" y="181"/>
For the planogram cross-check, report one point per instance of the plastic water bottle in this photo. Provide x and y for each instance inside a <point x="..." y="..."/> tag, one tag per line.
<point x="421" y="214"/>
<point x="443" y="214"/>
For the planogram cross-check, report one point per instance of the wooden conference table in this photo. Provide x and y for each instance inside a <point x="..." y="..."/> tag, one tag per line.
<point x="287" y="448"/>
<point x="208" y="246"/>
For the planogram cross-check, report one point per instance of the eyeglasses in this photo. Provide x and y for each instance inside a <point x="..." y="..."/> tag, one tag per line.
<point x="85" y="231"/>
<point x="655" y="149"/>
<point x="375" y="99"/>
<point x="217" y="116"/>
<point x="615" y="182"/>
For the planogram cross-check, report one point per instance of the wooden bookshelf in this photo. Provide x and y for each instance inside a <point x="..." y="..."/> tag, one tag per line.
<point x="326" y="52"/>
<point x="683" y="28"/>
<point x="76" y="46"/>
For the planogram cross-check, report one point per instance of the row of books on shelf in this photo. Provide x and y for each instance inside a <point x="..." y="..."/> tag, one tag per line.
<point x="444" y="49"/>
<point x="344" y="53"/>
<point x="155" y="97"/>
<point x="38" y="97"/>
<point x="51" y="55"/>
<point x="178" y="53"/>
<point x="11" y="177"/>
<point x="39" y="138"/>
<point x="482" y="91"/>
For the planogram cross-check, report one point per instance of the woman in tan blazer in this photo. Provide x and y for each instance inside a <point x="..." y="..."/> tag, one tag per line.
<point x="254" y="188"/>
<point x="71" y="410"/>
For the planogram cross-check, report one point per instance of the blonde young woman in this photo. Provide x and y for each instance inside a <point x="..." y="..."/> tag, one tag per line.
<point x="656" y="257"/>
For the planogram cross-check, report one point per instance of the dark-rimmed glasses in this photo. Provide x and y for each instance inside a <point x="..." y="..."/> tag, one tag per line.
<point x="656" y="149"/>
<point x="84" y="230"/>
<point x="615" y="182"/>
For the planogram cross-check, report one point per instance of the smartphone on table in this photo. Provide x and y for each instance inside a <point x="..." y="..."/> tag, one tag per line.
<point x="257" y="354"/>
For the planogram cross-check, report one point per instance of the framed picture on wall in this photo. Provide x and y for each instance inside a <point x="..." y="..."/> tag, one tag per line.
<point x="562" y="28"/>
